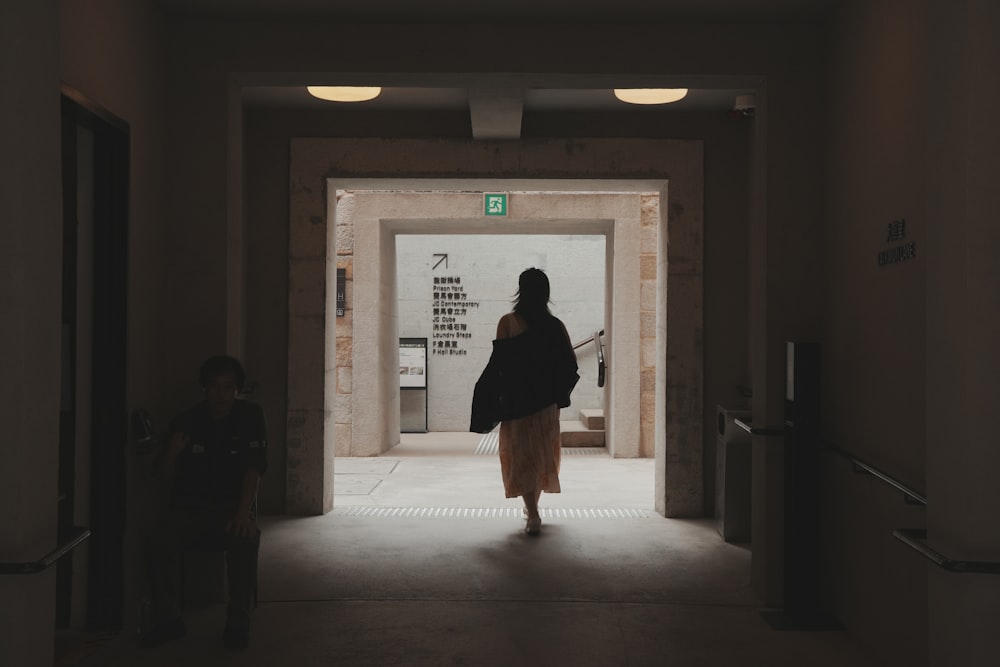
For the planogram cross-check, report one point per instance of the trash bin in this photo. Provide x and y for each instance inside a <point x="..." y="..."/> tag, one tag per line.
<point x="732" y="476"/>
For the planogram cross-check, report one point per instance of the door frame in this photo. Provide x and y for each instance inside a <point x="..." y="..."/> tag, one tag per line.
<point x="107" y="399"/>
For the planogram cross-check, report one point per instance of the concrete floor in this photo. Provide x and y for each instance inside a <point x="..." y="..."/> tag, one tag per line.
<point x="402" y="573"/>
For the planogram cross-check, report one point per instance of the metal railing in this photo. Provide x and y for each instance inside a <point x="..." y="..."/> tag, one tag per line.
<point x="911" y="495"/>
<point x="913" y="538"/>
<point x="601" y="367"/>
<point x="769" y="431"/>
<point x="79" y="536"/>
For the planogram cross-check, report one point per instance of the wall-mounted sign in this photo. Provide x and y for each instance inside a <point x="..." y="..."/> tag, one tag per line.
<point x="451" y="307"/>
<point x="412" y="363"/>
<point x="341" y="291"/>
<point x="898" y="253"/>
<point x="495" y="204"/>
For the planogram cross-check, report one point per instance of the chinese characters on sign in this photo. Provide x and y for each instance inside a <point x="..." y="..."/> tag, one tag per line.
<point x="899" y="253"/>
<point x="451" y="308"/>
<point x="897" y="230"/>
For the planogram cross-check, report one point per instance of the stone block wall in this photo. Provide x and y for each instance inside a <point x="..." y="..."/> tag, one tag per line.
<point x="649" y="220"/>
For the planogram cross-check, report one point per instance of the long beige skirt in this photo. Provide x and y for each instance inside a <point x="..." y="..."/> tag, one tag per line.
<point x="530" y="453"/>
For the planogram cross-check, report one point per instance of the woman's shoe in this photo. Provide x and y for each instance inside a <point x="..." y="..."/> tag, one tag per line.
<point x="534" y="525"/>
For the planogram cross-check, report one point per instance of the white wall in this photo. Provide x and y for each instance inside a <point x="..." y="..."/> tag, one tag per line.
<point x="488" y="268"/>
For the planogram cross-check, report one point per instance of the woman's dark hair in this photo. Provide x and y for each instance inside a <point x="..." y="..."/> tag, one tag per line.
<point x="532" y="299"/>
<point x="220" y="365"/>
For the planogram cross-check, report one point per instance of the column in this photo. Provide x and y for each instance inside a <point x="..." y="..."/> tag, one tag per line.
<point x="30" y="297"/>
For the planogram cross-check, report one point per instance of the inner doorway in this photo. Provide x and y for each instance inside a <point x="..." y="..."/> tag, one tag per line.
<point x="368" y="220"/>
<point x="377" y="217"/>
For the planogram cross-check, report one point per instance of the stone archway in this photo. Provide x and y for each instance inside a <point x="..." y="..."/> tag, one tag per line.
<point x="313" y="398"/>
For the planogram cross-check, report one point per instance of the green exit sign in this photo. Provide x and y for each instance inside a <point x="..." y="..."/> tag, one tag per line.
<point x="495" y="203"/>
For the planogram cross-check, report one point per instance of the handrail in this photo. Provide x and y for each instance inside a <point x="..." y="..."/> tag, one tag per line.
<point x="80" y="535"/>
<point x="588" y="339"/>
<point x="912" y="537"/>
<point x="596" y="338"/>
<point x="771" y="431"/>
<point x="600" y="357"/>
<point x="911" y="494"/>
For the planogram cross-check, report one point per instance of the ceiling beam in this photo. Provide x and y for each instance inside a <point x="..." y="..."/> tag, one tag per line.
<point x="496" y="112"/>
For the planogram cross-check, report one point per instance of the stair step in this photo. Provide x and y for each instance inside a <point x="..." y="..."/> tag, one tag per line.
<point x="592" y="418"/>
<point x="575" y="434"/>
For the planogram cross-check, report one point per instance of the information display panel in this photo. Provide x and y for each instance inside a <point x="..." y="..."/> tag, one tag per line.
<point x="413" y="363"/>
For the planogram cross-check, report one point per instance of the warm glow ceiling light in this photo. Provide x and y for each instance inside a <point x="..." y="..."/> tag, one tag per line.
<point x="344" y="93"/>
<point x="650" y="95"/>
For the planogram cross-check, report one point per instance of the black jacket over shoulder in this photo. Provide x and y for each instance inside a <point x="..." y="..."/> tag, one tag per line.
<point x="525" y="373"/>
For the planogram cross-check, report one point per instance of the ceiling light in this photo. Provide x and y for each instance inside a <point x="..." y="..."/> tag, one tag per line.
<point x="344" y="93"/>
<point x="650" y="95"/>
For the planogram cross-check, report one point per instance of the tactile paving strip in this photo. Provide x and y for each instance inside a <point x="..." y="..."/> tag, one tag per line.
<point x="489" y="512"/>
<point x="490" y="443"/>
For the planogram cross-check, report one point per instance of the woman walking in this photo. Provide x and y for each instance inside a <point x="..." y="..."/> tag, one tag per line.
<point x="529" y="378"/>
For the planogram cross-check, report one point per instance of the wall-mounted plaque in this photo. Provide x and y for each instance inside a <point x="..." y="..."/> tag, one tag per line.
<point x="341" y="291"/>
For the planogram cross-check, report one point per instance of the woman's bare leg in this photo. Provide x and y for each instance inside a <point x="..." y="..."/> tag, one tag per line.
<point x="531" y="503"/>
<point x="534" y="524"/>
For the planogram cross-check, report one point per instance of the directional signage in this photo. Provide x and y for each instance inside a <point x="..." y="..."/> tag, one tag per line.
<point x="495" y="204"/>
<point x="341" y="291"/>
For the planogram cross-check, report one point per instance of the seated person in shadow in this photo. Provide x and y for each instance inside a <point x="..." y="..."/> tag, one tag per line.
<point x="213" y="458"/>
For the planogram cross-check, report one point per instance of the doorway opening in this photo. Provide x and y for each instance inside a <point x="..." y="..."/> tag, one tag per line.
<point x="369" y="411"/>
<point x="359" y="219"/>
<point x="634" y="282"/>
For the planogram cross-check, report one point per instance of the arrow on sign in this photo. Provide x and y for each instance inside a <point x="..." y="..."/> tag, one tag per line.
<point x="444" y="258"/>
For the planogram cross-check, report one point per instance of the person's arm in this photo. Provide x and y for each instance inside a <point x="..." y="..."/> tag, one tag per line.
<point x="165" y="463"/>
<point x="567" y="369"/>
<point x="569" y="341"/>
<point x="242" y="524"/>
